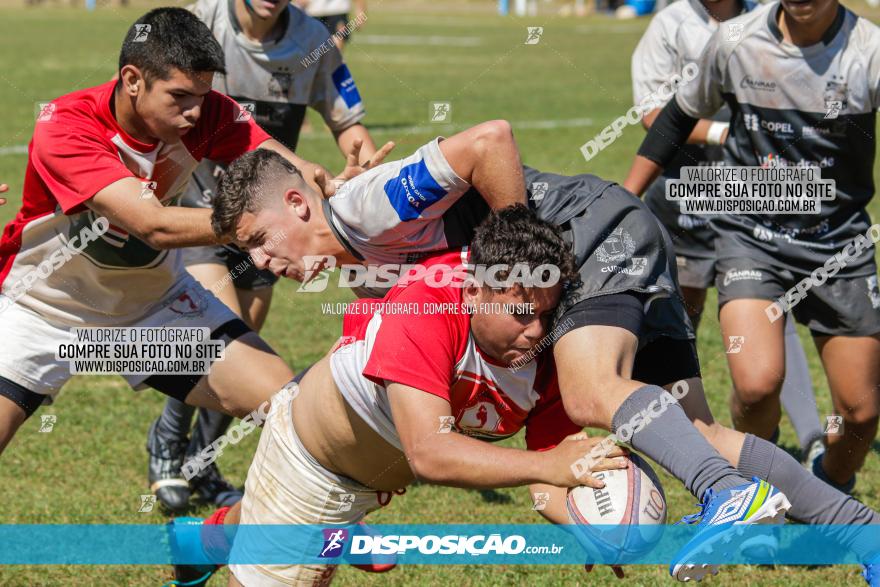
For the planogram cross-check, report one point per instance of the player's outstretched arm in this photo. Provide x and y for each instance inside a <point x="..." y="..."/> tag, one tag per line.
<point x="3" y="189"/>
<point x="443" y="457"/>
<point x="125" y="205"/>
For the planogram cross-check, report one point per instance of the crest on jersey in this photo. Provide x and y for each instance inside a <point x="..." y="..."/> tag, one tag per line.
<point x="189" y="303"/>
<point x="617" y="246"/>
<point x="279" y="84"/>
<point x="481" y="416"/>
<point x="836" y="90"/>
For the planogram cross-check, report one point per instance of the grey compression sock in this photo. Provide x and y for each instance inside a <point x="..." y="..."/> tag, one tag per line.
<point x="671" y="440"/>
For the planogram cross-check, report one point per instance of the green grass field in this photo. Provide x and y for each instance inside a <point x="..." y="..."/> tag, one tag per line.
<point x="558" y="94"/>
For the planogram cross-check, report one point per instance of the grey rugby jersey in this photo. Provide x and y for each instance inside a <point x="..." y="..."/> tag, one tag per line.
<point x="795" y="106"/>
<point x="302" y="68"/>
<point x="677" y="35"/>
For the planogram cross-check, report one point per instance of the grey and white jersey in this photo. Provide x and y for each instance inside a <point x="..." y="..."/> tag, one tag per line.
<point x="796" y="106"/>
<point x="278" y="80"/>
<point x="302" y="68"/>
<point x="677" y="36"/>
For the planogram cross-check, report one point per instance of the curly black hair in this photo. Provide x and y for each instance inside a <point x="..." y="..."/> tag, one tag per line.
<point x="515" y="235"/>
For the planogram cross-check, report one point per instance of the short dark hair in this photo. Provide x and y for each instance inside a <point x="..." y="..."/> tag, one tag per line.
<point x="167" y="38"/>
<point x="243" y="188"/>
<point x="516" y="235"/>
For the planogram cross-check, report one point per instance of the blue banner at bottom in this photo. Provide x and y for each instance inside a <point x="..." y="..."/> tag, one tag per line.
<point x="526" y="544"/>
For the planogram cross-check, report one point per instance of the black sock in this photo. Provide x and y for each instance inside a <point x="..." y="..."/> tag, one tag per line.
<point x="175" y="421"/>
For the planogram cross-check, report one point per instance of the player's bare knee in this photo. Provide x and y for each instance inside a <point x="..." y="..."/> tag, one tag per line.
<point x="864" y="417"/>
<point x="755" y="390"/>
<point x="591" y="404"/>
<point x="584" y="412"/>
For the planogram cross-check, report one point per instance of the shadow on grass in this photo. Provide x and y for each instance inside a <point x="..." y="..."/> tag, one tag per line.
<point x="492" y="496"/>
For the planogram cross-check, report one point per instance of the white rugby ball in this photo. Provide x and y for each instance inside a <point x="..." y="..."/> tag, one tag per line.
<point x="625" y="518"/>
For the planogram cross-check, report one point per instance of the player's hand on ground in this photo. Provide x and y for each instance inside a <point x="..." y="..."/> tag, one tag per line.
<point x="353" y="167"/>
<point x="3" y="188"/>
<point x="618" y="570"/>
<point x="578" y="448"/>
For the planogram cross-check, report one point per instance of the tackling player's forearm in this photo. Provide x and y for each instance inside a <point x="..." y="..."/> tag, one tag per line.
<point x="177" y="227"/>
<point x="125" y="205"/>
<point x="642" y="174"/>
<point x="456" y="460"/>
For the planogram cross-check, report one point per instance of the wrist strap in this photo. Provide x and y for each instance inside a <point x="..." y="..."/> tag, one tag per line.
<point x="716" y="132"/>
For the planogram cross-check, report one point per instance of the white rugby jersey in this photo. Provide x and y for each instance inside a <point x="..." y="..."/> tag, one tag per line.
<point x="796" y="106"/>
<point x="399" y="211"/>
<point x="302" y="68"/>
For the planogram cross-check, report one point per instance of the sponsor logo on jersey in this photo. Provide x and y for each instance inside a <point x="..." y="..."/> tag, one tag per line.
<point x="773" y="160"/>
<point x="762" y="233"/>
<point x="344" y="83"/>
<point x="688" y="222"/>
<point x="834" y="129"/>
<point x="413" y="190"/>
<point x="637" y="267"/>
<point x="755" y="123"/>
<point x="757" y="84"/>
<point x="617" y="246"/>
<point x="742" y="275"/>
<point x="280" y="83"/>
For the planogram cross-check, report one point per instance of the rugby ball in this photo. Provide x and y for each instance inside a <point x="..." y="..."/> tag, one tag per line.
<point x="622" y="520"/>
